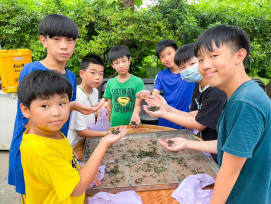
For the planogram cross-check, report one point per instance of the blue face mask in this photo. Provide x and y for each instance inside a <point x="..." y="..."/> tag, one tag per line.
<point x="191" y="74"/>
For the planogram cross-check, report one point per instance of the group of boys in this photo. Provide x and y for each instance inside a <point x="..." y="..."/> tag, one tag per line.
<point x="232" y="113"/>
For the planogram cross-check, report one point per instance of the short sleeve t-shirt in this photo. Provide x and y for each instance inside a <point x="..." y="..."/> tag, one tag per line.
<point x="177" y="92"/>
<point x="209" y="104"/>
<point x="15" y="176"/>
<point x="51" y="170"/>
<point x="80" y="121"/>
<point x="244" y="130"/>
<point x="123" y="96"/>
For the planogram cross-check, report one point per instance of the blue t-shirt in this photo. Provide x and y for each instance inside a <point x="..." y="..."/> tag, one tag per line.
<point x="15" y="175"/>
<point x="177" y="92"/>
<point x="244" y="130"/>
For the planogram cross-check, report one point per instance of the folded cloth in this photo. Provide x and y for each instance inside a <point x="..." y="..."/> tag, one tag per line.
<point x="101" y="169"/>
<point x="124" y="197"/>
<point x="190" y="190"/>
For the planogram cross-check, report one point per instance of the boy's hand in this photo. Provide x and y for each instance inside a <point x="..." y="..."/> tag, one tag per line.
<point x="153" y="114"/>
<point x="135" y="121"/>
<point x="158" y="101"/>
<point x="143" y="94"/>
<point x="96" y="180"/>
<point x="174" y="144"/>
<point x="111" y="138"/>
<point x="85" y="109"/>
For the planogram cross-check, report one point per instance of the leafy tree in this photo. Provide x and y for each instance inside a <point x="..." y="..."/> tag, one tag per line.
<point x="104" y="24"/>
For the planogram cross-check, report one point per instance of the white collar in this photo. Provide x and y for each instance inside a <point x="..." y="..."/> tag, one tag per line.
<point x="206" y="87"/>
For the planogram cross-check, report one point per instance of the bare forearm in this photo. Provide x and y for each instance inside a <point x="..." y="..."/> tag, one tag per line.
<point x="183" y="119"/>
<point x="205" y="146"/>
<point x="91" y="133"/>
<point x="137" y="110"/>
<point x="109" y="108"/>
<point x="227" y="177"/>
<point x="222" y="188"/>
<point x="73" y="106"/>
<point x="89" y="170"/>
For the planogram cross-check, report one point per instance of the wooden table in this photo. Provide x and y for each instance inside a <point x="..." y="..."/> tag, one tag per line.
<point x="148" y="197"/>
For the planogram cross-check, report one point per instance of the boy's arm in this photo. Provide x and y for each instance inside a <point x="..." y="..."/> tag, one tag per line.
<point x="91" y="133"/>
<point x="227" y="177"/>
<point x="85" y="109"/>
<point x="89" y="170"/>
<point x="178" y="117"/>
<point x="136" y="112"/>
<point x="181" y="143"/>
<point x="109" y="108"/>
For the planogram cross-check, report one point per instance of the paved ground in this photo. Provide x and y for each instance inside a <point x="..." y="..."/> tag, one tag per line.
<point x="7" y="192"/>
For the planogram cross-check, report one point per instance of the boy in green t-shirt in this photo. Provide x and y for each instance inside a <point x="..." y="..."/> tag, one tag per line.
<point x="122" y="103"/>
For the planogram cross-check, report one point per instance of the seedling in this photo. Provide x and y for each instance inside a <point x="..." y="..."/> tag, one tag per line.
<point x="134" y="123"/>
<point x="154" y="108"/>
<point x="116" y="131"/>
<point x="170" y="143"/>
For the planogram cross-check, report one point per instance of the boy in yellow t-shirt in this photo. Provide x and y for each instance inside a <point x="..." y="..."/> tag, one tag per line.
<point x="51" y="171"/>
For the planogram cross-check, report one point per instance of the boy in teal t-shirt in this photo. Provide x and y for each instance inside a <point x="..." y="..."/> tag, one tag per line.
<point x="244" y="127"/>
<point x="122" y="103"/>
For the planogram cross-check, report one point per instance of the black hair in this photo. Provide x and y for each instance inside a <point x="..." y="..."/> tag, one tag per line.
<point x="91" y="58"/>
<point x="184" y="53"/>
<point x="118" y="52"/>
<point x="43" y="84"/>
<point x="58" y="25"/>
<point x="163" y="44"/>
<point x="234" y="37"/>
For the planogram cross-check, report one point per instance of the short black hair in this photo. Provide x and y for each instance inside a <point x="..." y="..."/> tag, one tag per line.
<point x="118" y="52"/>
<point x="58" y="25"/>
<point x="91" y="58"/>
<point x="163" y="44"/>
<point x="233" y="36"/>
<point x="184" y="53"/>
<point x="43" y="84"/>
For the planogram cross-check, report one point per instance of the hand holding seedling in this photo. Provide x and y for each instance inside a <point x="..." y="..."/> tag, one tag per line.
<point x="158" y="101"/>
<point x="115" y="136"/>
<point x="135" y="121"/>
<point x="174" y="144"/>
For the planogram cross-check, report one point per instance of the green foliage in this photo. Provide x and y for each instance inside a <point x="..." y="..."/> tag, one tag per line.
<point x="252" y="16"/>
<point x="104" y="24"/>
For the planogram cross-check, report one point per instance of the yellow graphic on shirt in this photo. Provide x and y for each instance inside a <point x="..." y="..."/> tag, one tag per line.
<point x="123" y="100"/>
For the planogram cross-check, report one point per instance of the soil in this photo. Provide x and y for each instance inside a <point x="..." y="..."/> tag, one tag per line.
<point x="139" y="160"/>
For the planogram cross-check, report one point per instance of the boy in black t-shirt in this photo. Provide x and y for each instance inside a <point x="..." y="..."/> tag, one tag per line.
<point x="207" y="102"/>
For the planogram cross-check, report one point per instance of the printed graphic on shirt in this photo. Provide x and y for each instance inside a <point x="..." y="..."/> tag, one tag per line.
<point x="124" y="100"/>
<point x="198" y="104"/>
<point x="74" y="163"/>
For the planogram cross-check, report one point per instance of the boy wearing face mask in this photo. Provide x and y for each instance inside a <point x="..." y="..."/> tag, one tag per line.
<point x="207" y="102"/>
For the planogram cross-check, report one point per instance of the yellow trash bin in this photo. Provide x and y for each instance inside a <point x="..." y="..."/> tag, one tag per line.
<point x="11" y="64"/>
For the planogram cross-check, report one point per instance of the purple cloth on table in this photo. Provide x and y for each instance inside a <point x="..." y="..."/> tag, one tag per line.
<point x="190" y="190"/>
<point x="101" y="169"/>
<point x="120" y="198"/>
<point x="207" y="154"/>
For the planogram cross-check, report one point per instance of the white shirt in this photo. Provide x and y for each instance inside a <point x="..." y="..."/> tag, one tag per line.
<point x="79" y="121"/>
